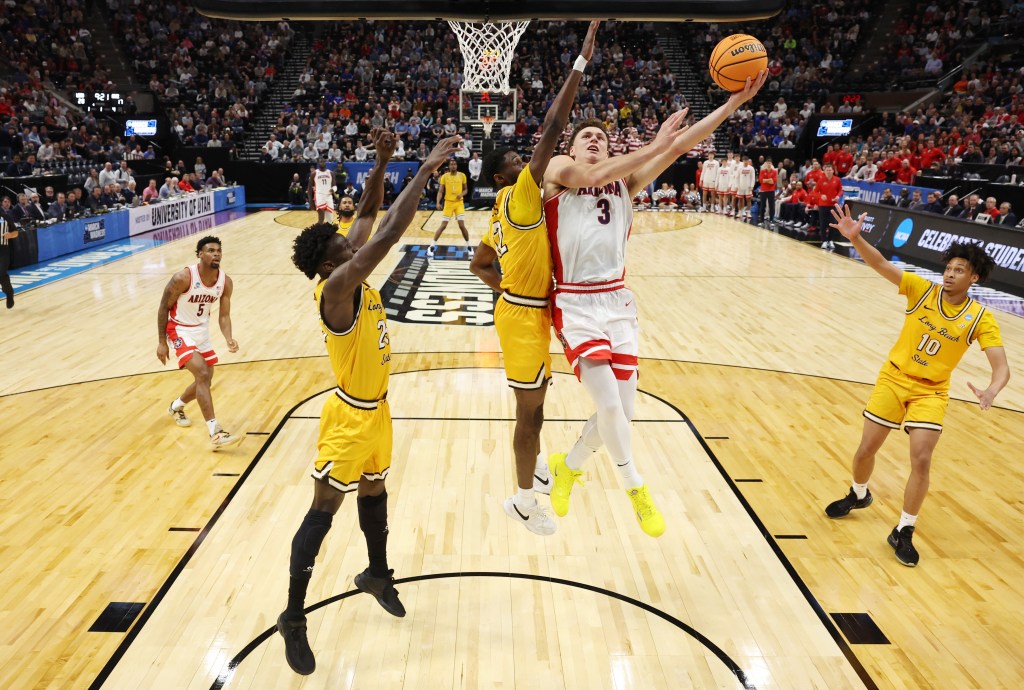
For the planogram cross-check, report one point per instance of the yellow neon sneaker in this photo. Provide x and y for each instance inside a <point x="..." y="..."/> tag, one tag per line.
<point x="562" y="479"/>
<point x="646" y="514"/>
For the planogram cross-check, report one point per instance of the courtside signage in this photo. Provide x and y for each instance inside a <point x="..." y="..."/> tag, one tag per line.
<point x="146" y="218"/>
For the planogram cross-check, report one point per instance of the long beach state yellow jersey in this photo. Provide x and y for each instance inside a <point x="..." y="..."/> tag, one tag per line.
<point x="519" y="237"/>
<point x="344" y="226"/>
<point x="936" y="334"/>
<point x="453" y="184"/>
<point x="360" y="356"/>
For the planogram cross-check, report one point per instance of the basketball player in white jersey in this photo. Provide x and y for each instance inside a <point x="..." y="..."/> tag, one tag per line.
<point x="589" y="215"/>
<point x="321" y="191"/>
<point x="745" y="178"/>
<point x="184" y="320"/>
<point x="722" y="188"/>
<point x="709" y="182"/>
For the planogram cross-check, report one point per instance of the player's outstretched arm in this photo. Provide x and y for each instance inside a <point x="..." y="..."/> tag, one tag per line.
<point x="175" y="286"/>
<point x="691" y="136"/>
<point x="567" y="172"/>
<point x="558" y="114"/>
<point x="344" y="280"/>
<point x="851" y="228"/>
<point x="1000" y="376"/>
<point x="373" y="192"/>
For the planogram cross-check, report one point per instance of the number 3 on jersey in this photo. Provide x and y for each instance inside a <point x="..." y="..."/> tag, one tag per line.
<point x="605" y="207"/>
<point x="500" y="247"/>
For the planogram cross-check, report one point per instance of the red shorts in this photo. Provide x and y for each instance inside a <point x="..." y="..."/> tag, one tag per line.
<point x="188" y="340"/>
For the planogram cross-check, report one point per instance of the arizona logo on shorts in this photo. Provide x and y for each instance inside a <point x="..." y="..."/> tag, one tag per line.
<point x="178" y="342"/>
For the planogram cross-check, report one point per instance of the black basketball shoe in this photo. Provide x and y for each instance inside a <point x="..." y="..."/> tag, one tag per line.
<point x="902" y="541"/>
<point x="383" y="590"/>
<point x="842" y="507"/>
<point x="296" y="646"/>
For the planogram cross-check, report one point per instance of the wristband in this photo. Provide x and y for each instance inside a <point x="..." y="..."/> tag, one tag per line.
<point x="580" y="64"/>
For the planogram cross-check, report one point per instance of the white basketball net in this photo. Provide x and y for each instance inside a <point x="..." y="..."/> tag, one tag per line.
<point x="487" y="52"/>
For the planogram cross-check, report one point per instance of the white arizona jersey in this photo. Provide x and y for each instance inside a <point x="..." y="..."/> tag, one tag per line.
<point x="193" y="305"/>
<point x="323" y="180"/>
<point x="588" y="228"/>
<point x="734" y="175"/>
<point x="724" y="174"/>
<point x="709" y="174"/>
<point x="745" y="178"/>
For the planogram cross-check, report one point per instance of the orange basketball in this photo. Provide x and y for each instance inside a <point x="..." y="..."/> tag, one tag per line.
<point x="734" y="59"/>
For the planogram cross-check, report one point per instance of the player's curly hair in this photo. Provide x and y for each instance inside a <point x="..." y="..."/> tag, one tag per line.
<point x="981" y="263"/>
<point x="582" y="125"/>
<point x="309" y="247"/>
<point x="209" y="239"/>
<point x="492" y="164"/>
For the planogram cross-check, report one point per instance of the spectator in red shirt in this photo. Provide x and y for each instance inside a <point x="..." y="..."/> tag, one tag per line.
<point x="829" y="191"/>
<point x="793" y="210"/>
<point x="906" y="173"/>
<point x="815" y="174"/>
<point x="769" y="180"/>
<point x="843" y="161"/>
<point x="830" y="156"/>
<point x="931" y="154"/>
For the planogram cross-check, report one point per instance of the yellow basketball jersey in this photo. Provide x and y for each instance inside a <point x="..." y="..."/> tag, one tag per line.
<point x="936" y="334"/>
<point x="361" y="355"/>
<point x="453" y="184"/>
<point x="519" y="236"/>
<point x="345" y="225"/>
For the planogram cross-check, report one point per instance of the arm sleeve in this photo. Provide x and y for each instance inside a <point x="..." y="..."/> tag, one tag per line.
<point x="523" y="203"/>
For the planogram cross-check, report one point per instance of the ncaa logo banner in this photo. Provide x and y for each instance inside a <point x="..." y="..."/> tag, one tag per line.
<point x="439" y="290"/>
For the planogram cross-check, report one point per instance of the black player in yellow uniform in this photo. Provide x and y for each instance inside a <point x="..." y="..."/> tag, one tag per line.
<point x="346" y="215"/>
<point x="913" y="386"/>
<point x="517" y="239"/>
<point x="452" y="188"/>
<point x="355" y="425"/>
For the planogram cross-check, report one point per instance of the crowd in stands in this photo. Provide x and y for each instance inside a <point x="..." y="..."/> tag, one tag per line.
<point x="210" y="74"/>
<point x="406" y="76"/>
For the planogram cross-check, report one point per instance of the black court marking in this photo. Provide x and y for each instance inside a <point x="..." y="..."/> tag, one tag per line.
<point x="179" y="568"/>
<point x="117" y="617"/>
<point x="257" y="433"/>
<point x="185" y="529"/>
<point x="225" y="474"/>
<point x="733" y="667"/>
<point x="748" y="481"/>
<point x="119" y="653"/>
<point x="847" y="651"/>
<point x="790" y="536"/>
<point x="859" y="628"/>
<point x="498" y="419"/>
<point x="716" y="438"/>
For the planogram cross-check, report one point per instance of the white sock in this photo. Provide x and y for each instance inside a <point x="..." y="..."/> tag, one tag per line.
<point x="860" y="489"/>
<point x="525" y="498"/>
<point x="213" y="426"/>
<point x="630" y="477"/>
<point x="906" y="520"/>
<point x="542" y="470"/>
<point x="177" y="404"/>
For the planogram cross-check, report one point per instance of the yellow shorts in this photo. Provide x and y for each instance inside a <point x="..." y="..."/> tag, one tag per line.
<point x="901" y="399"/>
<point x="525" y="336"/>
<point x="453" y="209"/>
<point x="353" y="443"/>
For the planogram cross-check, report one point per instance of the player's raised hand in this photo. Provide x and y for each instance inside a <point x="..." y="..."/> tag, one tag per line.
<point x="754" y="85"/>
<point x="442" y="151"/>
<point x="588" y="43"/>
<point x="985" y="396"/>
<point x="671" y="128"/>
<point x="385" y="141"/>
<point x="845" y="223"/>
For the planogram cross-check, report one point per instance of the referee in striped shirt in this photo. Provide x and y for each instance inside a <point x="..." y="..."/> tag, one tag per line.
<point x="8" y="231"/>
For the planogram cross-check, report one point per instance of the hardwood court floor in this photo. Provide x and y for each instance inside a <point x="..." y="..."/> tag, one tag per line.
<point x="768" y="347"/>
